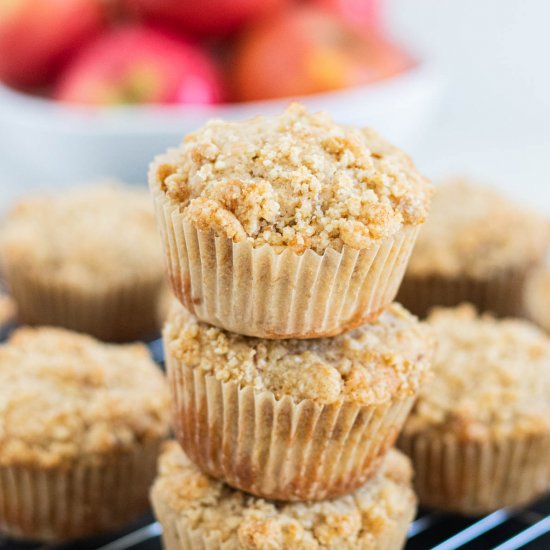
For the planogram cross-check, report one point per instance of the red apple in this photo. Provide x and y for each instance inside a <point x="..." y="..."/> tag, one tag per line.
<point x="307" y="50"/>
<point x="204" y="17"/>
<point x="38" y="36"/>
<point x="139" y="64"/>
<point x="361" y="13"/>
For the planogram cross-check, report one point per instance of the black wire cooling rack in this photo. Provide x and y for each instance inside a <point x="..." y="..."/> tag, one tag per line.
<point x="507" y="529"/>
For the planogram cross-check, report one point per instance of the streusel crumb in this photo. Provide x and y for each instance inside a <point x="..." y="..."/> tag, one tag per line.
<point x="85" y="237"/>
<point x="66" y="397"/>
<point x="475" y="231"/>
<point x="491" y="378"/>
<point x="372" y="364"/>
<point x="245" y="521"/>
<point x="297" y="180"/>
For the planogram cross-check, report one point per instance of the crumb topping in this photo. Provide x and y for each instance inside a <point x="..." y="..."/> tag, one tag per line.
<point x="537" y="297"/>
<point x="491" y="378"/>
<point x="475" y="231"/>
<point x="372" y="364"/>
<point x="297" y="180"/>
<point x="65" y="397"/>
<point x="248" y="522"/>
<point x="87" y="236"/>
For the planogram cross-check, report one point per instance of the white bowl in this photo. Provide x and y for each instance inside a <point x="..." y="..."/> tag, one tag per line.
<point x="45" y="142"/>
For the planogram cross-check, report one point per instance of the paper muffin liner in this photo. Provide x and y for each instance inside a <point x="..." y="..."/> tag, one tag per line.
<point x="259" y="292"/>
<point x="475" y="478"/>
<point x="179" y="534"/>
<point x="119" y="313"/>
<point x="502" y="294"/>
<point x="279" y="449"/>
<point x="71" y="502"/>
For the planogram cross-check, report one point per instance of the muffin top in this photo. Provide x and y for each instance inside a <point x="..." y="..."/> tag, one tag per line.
<point x="245" y="521"/>
<point x="537" y="297"/>
<point x="491" y="378"/>
<point x="87" y="237"/>
<point x="297" y="180"/>
<point x="372" y="364"/>
<point x="474" y="231"/>
<point x="66" y="397"/>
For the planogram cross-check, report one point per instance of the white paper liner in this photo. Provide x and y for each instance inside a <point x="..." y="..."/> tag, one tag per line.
<point x="71" y="502"/>
<point x="122" y="313"/>
<point x="257" y="292"/>
<point x="279" y="449"/>
<point x="475" y="478"/>
<point x="502" y="294"/>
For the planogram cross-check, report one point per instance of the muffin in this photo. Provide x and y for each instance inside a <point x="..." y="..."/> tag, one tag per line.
<point x="287" y="227"/>
<point x="297" y="419"/>
<point x="477" y="247"/>
<point x="537" y="297"/>
<point x="479" y="434"/>
<point x="81" y="426"/>
<point x="88" y="259"/>
<point x="196" y="511"/>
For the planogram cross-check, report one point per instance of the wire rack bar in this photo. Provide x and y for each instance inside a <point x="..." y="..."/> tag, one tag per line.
<point x="528" y="535"/>
<point x="475" y="530"/>
<point x="151" y="531"/>
<point x="423" y="523"/>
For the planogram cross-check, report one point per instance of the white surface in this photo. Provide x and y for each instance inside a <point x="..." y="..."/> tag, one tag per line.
<point x="495" y="116"/>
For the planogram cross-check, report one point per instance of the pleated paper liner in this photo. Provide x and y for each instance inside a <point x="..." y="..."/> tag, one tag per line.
<point x="259" y="292"/>
<point x="501" y="294"/>
<point x="119" y="313"/>
<point x="62" y="503"/>
<point x="279" y="449"/>
<point x="178" y="533"/>
<point x="475" y="478"/>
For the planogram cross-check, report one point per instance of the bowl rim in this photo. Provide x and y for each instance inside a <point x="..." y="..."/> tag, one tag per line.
<point x="157" y="118"/>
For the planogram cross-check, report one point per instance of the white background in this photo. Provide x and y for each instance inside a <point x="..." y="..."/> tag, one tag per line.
<point x="494" y="120"/>
<point x="494" y="56"/>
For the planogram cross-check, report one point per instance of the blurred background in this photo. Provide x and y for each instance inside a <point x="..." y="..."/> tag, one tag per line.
<point x="97" y="87"/>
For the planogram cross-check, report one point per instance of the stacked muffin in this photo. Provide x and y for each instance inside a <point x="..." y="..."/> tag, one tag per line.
<point x="291" y="371"/>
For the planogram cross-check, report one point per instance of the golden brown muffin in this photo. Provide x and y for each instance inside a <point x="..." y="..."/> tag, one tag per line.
<point x="479" y="434"/>
<point x="478" y="246"/>
<point x="199" y="512"/>
<point x="295" y="419"/>
<point x="289" y="226"/>
<point x="88" y="259"/>
<point x="81" y="424"/>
